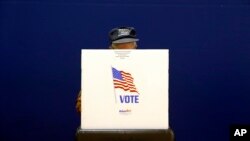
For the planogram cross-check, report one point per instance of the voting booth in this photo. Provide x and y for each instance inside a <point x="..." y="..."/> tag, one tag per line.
<point x="124" y="95"/>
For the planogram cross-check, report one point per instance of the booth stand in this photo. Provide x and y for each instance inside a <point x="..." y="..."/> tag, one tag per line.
<point x="125" y="135"/>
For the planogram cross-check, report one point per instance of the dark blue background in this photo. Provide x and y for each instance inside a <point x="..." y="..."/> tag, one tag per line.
<point x="40" y="43"/>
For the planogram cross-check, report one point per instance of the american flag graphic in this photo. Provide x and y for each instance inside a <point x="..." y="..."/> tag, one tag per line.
<point x="123" y="80"/>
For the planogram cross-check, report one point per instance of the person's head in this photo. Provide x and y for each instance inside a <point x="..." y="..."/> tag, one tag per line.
<point x="123" y="38"/>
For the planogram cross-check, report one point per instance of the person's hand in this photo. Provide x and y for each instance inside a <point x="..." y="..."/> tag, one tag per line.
<point x="78" y="103"/>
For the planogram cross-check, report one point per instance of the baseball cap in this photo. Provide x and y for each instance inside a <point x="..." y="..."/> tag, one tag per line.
<point x="123" y="35"/>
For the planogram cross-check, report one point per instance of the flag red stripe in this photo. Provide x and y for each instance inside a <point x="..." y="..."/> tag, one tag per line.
<point x="126" y="89"/>
<point x="125" y="73"/>
<point x="117" y="81"/>
<point x="125" y="86"/>
<point x="123" y="83"/>
<point x="127" y="77"/>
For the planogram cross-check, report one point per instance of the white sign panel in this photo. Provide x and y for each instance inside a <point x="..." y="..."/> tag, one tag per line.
<point x="124" y="89"/>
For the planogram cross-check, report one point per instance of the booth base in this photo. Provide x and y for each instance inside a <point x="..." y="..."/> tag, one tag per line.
<point x="125" y="135"/>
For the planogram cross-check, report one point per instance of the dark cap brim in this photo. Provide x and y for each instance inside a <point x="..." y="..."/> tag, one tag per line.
<point x="125" y="40"/>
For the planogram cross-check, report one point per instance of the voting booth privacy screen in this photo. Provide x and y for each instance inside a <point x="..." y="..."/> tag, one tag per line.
<point x="124" y="89"/>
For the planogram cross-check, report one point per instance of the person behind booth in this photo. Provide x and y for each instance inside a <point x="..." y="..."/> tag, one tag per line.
<point x="123" y="38"/>
<point x="120" y="38"/>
